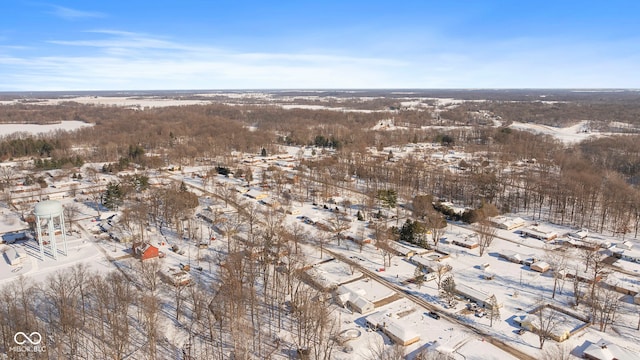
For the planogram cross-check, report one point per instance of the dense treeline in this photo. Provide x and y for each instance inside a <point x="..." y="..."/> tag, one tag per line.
<point x="14" y="147"/>
<point x="560" y="114"/>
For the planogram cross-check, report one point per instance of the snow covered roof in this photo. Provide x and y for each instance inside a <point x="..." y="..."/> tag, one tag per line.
<point x="606" y="350"/>
<point x="470" y="292"/>
<point x="541" y="266"/>
<point x="512" y="255"/>
<point x="254" y="193"/>
<point x="539" y="232"/>
<point x="393" y="327"/>
<point x="580" y="234"/>
<point x="507" y="222"/>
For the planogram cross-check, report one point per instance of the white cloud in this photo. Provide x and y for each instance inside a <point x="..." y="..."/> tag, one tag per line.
<point x="73" y="14"/>
<point x="126" y="60"/>
<point x="118" y="60"/>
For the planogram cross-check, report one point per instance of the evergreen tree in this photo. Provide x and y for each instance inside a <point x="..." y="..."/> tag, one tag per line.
<point x="113" y="196"/>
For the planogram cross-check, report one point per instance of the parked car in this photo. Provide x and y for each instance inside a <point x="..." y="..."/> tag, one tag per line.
<point x="434" y="315"/>
<point x="521" y="331"/>
<point x="480" y="313"/>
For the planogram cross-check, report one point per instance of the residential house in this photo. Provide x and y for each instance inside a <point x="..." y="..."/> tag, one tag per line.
<point x="607" y="350"/>
<point x="539" y="233"/>
<point x="144" y="251"/>
<point x="395" y="329"/>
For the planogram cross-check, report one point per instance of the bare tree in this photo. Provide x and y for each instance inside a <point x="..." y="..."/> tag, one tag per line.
<point x="422" y="206"/>
<point x="380" y="351"/>
<point x="547" y="320"/>
<point x="560" y="351"/>
<point x="7" y="174"/>
<point x="315" y="328"/>
<point x="436" y="224"/>
<point x="441" y="270"/>
<point x="321" y="240"/>
<point x="494" y="310"/>
<point x="486" y="233"/>
<point x="605" y="306"/>
<point x="418" y="276"/>
<point x="338" y="223"/>
<point x="578" y="294"/>
<point x="71" y="212"/>
<point x="558" y="262"/>
<point x="148" y="271"/>
<point x="150" y="306"/>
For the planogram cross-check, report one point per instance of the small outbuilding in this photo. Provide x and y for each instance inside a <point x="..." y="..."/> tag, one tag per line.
<point x="13" y="256"/>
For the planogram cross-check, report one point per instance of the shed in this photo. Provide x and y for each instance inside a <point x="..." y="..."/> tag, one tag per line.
<point x="14" y="257"/>
<point x="540" y="266"/>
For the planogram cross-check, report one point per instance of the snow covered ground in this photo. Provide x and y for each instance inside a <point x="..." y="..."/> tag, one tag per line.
<point x="67" y="125"/>
<point x="515" y="286"/>
<point x="568" y="135"/>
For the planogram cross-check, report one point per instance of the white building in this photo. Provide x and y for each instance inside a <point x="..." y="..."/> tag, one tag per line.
<point x="354" y="299"/>
<point x="395" y="329"/>
<point x="539" y="233"/>
<point x="13" y="256"/>
<point x="476" y="295"/>
<point x="607" y="350"/>
<point x="540" y="266"/>
<point x="506" y="222"/>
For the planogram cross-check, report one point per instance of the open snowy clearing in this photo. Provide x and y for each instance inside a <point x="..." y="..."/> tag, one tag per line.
<point x="568" y="135"/>
<point x="67" y="125"/>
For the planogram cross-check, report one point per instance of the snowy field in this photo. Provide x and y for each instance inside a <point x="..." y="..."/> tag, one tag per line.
<point x="568" y="135"/>
<point x="67" y="125"/>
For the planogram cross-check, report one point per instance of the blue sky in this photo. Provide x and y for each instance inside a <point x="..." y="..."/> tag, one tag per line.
<point x="235" y="44"/>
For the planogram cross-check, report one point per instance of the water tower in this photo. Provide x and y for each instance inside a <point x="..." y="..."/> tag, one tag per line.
<point x="50" y="221"/>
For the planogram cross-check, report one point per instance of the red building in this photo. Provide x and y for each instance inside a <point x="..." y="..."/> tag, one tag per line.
<point x="144" y="251"/>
